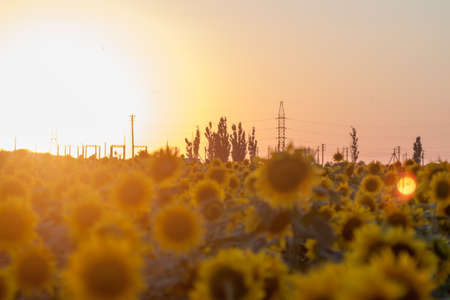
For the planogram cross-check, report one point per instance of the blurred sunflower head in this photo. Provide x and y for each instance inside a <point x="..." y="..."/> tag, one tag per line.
<point x="349" y="170"/>
<point x="350" y="221"/>
<point x="443" y="209"/>
<point x="272" y="275"/>
<point x="178" y="228"/>
<point x="33" y="269"/>
<point x="415" y="283"/>
<point x="320" y="284"/>
<point x="104" y="270"/>
<point x="366" y="200"/>
<point x="369" y="241"/>
<point x="344" y="189"/>
<point x="371" y="184"/>
<point x="286" y="178"/>
<point x="403" y="242"/>
<point x="338" y="157"/>
<point x="12" y="187"/>
<point x="82" y="215"/>
<point x="374" y="168"/>
<point x="398" y="216"/>
<point x="17" y="223"/>
<point x="165" y="165"/>
<point x="133" y="193"/>
<point x="228" y="275"/>
<point x="207" y="190"/>
<point x="233" y="183"/>
<point x="390" y="178"/>
<point x="7" y="285"/>
<point x="371" y="284"/>
<point x="218" y="174"/>
<point x="440" y="187"/>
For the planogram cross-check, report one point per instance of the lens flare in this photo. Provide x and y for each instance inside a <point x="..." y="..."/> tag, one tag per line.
<point x="406" y="186"/>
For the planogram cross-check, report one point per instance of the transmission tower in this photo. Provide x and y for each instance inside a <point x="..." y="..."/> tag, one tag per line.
<point x="281" y="129"/>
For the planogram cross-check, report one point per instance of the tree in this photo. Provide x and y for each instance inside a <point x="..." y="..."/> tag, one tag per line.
<point x="222" y="140"/>
<point x="196" y="145"/>
<point x="210" y="137"/>
<point x="189" y="154"/>
<point x="238" y="143"/>
<point x="218" y="142"/>
<point x="354" y="151"/>
<point x="252" y="145"/>
<point x="418" y="150"/>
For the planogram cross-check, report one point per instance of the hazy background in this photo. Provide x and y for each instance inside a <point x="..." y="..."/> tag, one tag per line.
<point x="81" y="67"/>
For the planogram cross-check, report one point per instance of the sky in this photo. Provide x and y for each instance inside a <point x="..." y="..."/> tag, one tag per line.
<point x="80" y="68"/>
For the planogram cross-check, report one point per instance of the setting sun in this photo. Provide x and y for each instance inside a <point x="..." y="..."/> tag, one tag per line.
<point x="69" y="80"/>
<point x="406" y="186"/>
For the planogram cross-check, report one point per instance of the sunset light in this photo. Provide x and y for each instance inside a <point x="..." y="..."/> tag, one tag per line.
<point x="224" y="150"/>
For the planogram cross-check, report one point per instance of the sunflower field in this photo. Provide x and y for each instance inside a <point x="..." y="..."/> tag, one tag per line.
<point x="163" y="227"/>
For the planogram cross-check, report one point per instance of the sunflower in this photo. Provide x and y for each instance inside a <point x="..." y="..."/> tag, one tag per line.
<point x="440" y="187"/>
<point x="285" y="178"/>
<point x="165" y="165"/>
<point x="250" y="184"/>
<point x="441" y="249"/>
<point x="104" y="270"/>
<point x="133" y="193"/>
<point x="402" y="270"/>
<point x="82" y="215"/>
<point x="218" y="174"/>
<point x="443" y="209"/>
<point x="280" y="225"/>
<point x="115" y="226"/>
<point x="33" y="269"/>
<point x="207" y="190"/>
<point x="344" y="189"/>
<point x="17" y="223"/>
<point x="360" y="170"/>
<point x="366" y="200"/>
<point x="320" y="284"/>
<point x="229" y="275"/>
<point x="368" y="242"/>
<point x="7" y="286"/>
<point x="349" y="170"/>
<point x="390" y="179"/>
<point x="374" y="168"/>
<point x="369" y="283"/>
<point x="338" y="157"/>
<point x="178" y="228"/>
<point x="399" y="216"/>
<point x="402" y="242"/>
<point x="212" y="210"/>
<point x="12" y="187"/>
<point x="272" y="274"/>
<point x="233" y="183"/>
<point x="371" y="184"/>
<point x="349" y="221"/>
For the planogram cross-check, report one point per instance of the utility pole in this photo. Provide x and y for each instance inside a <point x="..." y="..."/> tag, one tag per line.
<point x="132" y="118"/>
<point x="281" y="129"/>
<point x="323" y="154"/>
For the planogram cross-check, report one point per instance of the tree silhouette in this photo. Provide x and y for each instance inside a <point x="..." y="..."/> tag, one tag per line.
<point x="418" y="150"/>
<point x="196" y="145"/>
<point x="218" y="142"/>
<point x="354" y="151"/>
<point x="238" y="143"/>
<point x="252" y="145"/>
<point x="222" y="141"/>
